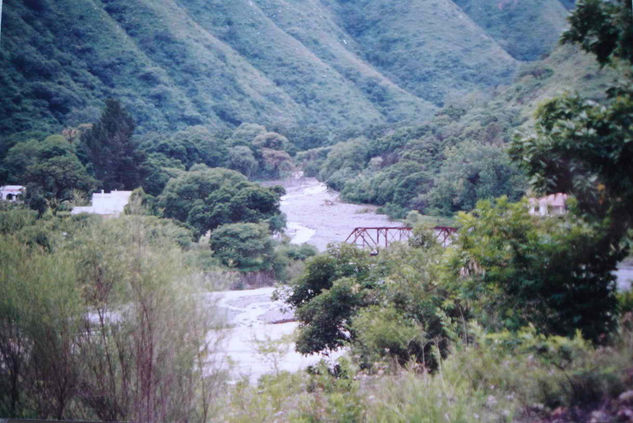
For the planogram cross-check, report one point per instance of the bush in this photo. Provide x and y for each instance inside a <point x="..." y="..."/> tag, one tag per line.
<point x="244" y="246"/>
<point x="514" y="269"/>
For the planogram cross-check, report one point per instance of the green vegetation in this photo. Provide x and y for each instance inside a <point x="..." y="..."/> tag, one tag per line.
<point x="459" y="156"/>
<point x="102" y="323"/>
<point x="109" y="151"/>
<point x="508" y="22"/>
<point x="206" y="198"/>
<point x="246" y="246"/>
<point x="50" y="170"/>
<point x="333" y="64"/>
<point x="505" y="291"/>
<point x="515" y="270"/>
<point x="177" y="180"/>
<point x="494" y="378"/>
<point x="518" y="319"/>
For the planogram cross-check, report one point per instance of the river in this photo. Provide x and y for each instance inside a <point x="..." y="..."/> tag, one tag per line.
<point x="315" y="215"/>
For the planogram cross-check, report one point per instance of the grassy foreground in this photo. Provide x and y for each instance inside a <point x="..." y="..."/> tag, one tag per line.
<point x="491" y="378"/>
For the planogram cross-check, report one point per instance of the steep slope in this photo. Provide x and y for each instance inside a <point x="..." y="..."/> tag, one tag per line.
<point x="77" y="53"/>
<point x="302" y="49"/>
<point x="429" y="47"/>
<point x="312" y="82"/>
<point x="174" y="63"/>
<point x="419" y="167"/>
<point x="526" y="29"/>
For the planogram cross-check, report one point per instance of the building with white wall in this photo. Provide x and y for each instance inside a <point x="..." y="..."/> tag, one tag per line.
<point x="106" y="204"/>
<point x="550" y="205"/>
<point x="11" y="192"/>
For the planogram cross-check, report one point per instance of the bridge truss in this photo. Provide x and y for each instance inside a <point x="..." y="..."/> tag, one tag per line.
<point x="378" y="237"/>
<point x="375" y="238"/>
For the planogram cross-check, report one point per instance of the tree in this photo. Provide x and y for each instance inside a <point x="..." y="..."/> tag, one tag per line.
<point x="473" y="172"/>
<point x="582" y="147"/>
<point x="40" y="316"/>
<point x="585" y="148"/>
<point x="241" y="158"/>
<point x="59" y="176"/>
<point x="104" y="323"/>
<point x="244" y="246"/>
<point x="323" y="297"/>
<point x="147" y="349"/>
<point x="393" y="306"/>
<point x="50" y="169"/>
<point x="109" y="150"/>
<point x="604" y="29"/>
<point x="158" y="170"/>
<point x="207" y="198"/>
<point x="190" y="146"/>
<point x="513" y="269"/>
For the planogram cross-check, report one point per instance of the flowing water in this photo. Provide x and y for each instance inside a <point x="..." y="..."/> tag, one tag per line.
<point x="317" y="216"/>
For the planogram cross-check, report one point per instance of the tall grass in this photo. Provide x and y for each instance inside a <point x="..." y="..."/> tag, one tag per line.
<point x="497" y="378"/>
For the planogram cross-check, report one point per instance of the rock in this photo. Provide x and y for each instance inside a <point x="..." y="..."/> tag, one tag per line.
<point x="626" y="397"/>
<point x="599" y="416"/>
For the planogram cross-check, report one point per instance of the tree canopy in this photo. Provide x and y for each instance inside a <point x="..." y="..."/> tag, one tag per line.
<point x="109" y="150"/>
<point x="50" y="170"/>
<point x="244" y="246"/>
<point x="206" y="198"/>
<point x="583" y="147"/>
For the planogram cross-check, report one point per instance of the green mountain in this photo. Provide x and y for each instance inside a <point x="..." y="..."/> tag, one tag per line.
<point x="459" y="156"/>
<point x="526" y="29"/>
<point x="286" y="64"/>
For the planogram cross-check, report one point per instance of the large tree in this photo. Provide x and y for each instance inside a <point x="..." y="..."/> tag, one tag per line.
<point x="244" y="246"/>
<point x="583" y="147"/>
<point x="514" y="269"/>
<point x="109" y="150"/>
<point x="50" y="170"/>
<point x="206" y="198"/>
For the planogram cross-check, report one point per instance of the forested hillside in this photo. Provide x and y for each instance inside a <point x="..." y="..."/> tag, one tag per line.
<point x="322" y="63"/>
<point x="459" y="155"/>
<point x="457" y="110"/>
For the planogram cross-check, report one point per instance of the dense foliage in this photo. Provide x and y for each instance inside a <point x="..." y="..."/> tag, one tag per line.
<point x="388" y="307"/>
<point x="109" y="151"/>
<point x="206" y="198"/>
<point x="271" y="62"/>
<point x="245" y="246"/>
<point x="50" y="170"/>
<point x="584" y="148"/>
<point x="514" y="269"/>
<point x="508" y="269"/>
<point x="518" y="319"/>
<point x="101" y="323"/>
<point x="460" y="155"/>
<point x="501" y="377"/>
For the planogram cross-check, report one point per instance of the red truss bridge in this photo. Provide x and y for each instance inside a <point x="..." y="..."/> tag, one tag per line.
<point x="375" y="238"/>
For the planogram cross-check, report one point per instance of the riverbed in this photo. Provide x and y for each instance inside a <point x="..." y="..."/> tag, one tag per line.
<point x="317" y="216"/>
<point x="259" y="338"/>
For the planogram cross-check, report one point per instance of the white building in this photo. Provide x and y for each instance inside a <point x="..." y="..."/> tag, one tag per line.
<point x="551" y="205"/>
<point x="106" y="204"/>
<point x="11" y="192"/>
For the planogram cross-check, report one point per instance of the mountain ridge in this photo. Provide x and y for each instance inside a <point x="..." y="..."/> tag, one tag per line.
<point x="325" y="63"/>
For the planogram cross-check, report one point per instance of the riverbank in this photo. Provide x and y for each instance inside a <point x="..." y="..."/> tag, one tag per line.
<point x="317" y="216"/>
<point x="259" y="337"/>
